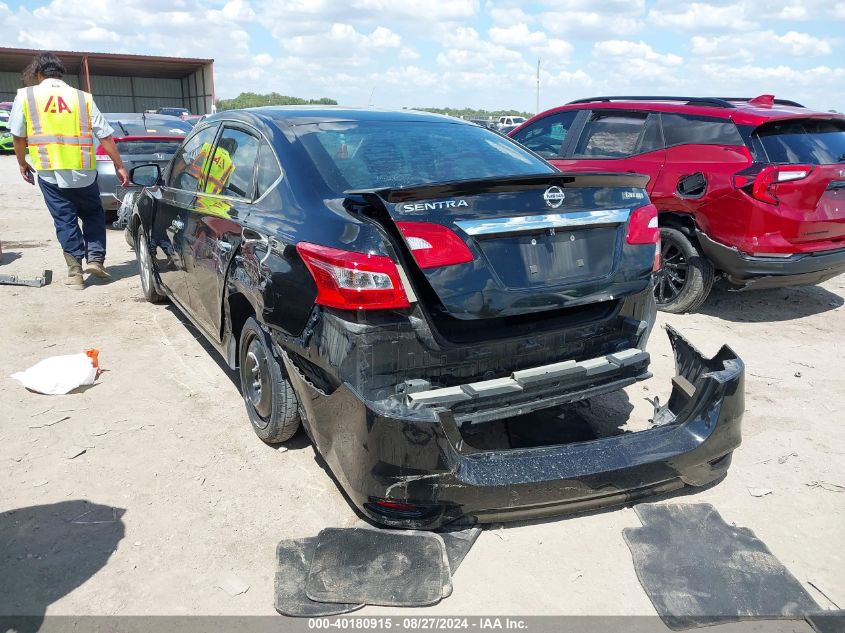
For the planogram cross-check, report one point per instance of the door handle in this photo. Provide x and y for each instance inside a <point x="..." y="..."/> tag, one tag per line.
<point x="253" y="237"/>
<point x="177" y="225"/>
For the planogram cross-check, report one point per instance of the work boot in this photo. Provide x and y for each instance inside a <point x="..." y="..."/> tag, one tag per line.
<point x="98" y="270"/>
<point x="74" y="272"/>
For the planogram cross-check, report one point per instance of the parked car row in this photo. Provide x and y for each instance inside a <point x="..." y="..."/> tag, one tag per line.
<point x="397" y="282"/>
<point x="140" y="139"/>
<point x="5" y="135"/>
<point x="751" y="191"/>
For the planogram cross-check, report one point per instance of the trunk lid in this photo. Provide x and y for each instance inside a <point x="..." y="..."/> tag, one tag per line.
<point x="809" y="159"/>
<point x="537" y="243"/>
<point x="818" y="200"/>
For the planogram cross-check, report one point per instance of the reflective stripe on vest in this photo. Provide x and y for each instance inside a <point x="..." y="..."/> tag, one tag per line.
<point x="59" y="131"/>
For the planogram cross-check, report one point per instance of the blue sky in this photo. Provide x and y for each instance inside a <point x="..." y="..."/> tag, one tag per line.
<point x="478" y="53"/>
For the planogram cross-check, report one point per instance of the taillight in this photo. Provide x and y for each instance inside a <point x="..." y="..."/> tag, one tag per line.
<point x="642" y="226"/>
<point x="350" y="280"/>
<point x="434" y="245"/>
<point x="763" y="185"/>
<point x="100" y="153"/>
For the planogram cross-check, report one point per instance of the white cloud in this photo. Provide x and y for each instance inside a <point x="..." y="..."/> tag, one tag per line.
<point x="341" y="41"/>
<point x="634" y="51"/>
<point x="466" y="49"/>
<point x="506" y="16"/>
<point x="517" y="36"/>
<point x="698" y="16"/>
<point x="758" y="44"/>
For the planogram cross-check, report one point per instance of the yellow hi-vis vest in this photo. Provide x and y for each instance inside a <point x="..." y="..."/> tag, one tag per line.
<point x="58" y="127"/>
<point x="218" y="173"/>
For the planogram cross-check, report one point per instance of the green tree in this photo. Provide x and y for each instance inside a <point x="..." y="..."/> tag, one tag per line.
<point x="254" y="100"/>
<point x="473" y="113"/>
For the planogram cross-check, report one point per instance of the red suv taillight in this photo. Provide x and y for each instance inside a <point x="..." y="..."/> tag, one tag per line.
<point x="643" y="229"/>
<point x="350" y="280"/>
<point x="434" y="245"/>
<point x="763" y="185"/>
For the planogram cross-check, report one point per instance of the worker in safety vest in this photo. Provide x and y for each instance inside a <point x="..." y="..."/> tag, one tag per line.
<point x="54" y="125"/>
<point x="220" y="167"/>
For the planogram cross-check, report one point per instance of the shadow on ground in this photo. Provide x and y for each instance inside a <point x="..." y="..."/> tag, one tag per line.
<point x="47" y="551"/>
<point x="779" y="304"/>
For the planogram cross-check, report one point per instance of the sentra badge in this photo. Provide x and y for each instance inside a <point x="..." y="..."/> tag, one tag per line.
<point x="554" y="197"/>
<point x="432" y="206"/>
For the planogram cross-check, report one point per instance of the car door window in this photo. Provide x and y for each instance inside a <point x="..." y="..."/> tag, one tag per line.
<point x="232" y="168"/>
<point x="547" y="136"/>
<point x="190" y="162"/>
<point x="686" y="129"/>
<point x="612" y="135"/>
<point x="268" y="169"/>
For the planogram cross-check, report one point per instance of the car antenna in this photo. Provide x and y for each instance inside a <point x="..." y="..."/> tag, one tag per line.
<point x="125" y="133"/>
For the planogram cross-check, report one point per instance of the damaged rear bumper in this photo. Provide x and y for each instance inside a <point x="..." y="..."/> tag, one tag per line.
<point x="409" y="466"/>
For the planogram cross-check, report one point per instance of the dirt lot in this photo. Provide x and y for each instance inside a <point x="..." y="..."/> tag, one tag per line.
<point x="167" y="442"/>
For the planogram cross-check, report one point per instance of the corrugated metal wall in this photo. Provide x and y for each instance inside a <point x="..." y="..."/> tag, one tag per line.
<point x="197" y="90"/>
<point x="135" y="94"/>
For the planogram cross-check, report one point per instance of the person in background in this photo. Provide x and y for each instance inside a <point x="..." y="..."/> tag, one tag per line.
<point x="54" y="124"/>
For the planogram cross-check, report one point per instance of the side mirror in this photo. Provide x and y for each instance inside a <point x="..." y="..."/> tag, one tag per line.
<point x="145" y="175"/>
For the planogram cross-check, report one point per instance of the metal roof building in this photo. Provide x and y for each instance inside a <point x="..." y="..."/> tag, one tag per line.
<point x="123" y="83"/>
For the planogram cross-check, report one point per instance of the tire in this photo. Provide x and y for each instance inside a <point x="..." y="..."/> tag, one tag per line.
<point x="268" y="395"/>
<point x="145" y="268"/>
<point x="685" y="277"/>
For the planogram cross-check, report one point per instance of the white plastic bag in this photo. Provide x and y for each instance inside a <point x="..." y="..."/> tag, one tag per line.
<point x="58" y="375"/>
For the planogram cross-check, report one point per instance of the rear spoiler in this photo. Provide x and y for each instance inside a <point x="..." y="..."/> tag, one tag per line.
<point x="499" y="184"/>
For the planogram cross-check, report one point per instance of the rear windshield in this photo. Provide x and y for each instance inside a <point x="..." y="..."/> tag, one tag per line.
<point x="150" y="126"/>
<point x="811" y="141"/>
<point x="152" y="146"/>
<point x="390" y="154"/>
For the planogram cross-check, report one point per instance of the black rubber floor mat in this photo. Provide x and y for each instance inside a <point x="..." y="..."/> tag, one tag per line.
<point x="294" y="559"/>
<point x="458" y="542"/>
<point x="381" y="567"/>
<point x="697" y="570"/>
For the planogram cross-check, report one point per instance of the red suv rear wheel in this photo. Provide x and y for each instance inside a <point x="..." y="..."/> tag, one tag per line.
<point x="685" y="277"/>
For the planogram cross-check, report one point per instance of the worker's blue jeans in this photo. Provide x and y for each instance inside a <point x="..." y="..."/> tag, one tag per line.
<point x="71" y="206"/>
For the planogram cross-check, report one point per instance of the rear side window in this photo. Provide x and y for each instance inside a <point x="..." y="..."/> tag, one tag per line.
<point x="617" y="135"/>
<point x="547" y="136"/>
<point x="388" y="154"/>
<point x="149" y="125"/>
<point x="268" y="169"/>
<point x="147" y="147"/>
<point x="685" y="129"/>
<point x="811" y="141"/>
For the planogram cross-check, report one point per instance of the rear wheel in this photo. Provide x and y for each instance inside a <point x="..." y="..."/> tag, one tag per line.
<point x="268" y="395"/>
<point x="685" y="277"/>
<point x="145" y="268"/>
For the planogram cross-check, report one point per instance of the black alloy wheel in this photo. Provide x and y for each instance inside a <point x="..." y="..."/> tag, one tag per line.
<point x="685" y="276"/>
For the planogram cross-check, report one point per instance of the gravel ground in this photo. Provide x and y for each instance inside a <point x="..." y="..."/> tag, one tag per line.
<point x="167" y="443"/>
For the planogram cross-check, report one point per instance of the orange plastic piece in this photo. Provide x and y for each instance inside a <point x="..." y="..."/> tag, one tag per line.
<point x="93" y="354"/>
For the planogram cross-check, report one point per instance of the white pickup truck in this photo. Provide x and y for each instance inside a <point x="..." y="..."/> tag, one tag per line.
<point x="510" y="122"/>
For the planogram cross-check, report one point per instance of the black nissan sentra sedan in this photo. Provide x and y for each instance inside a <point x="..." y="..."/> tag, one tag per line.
<point x="395" y="281"/>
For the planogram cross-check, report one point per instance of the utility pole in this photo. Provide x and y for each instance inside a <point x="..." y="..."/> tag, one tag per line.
<point x="537" y="111"/>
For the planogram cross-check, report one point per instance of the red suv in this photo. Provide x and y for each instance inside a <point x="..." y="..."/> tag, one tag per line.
<point x="749" y="190"/>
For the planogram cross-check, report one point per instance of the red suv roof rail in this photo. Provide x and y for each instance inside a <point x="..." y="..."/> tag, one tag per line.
<point x="714" y="102"/>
